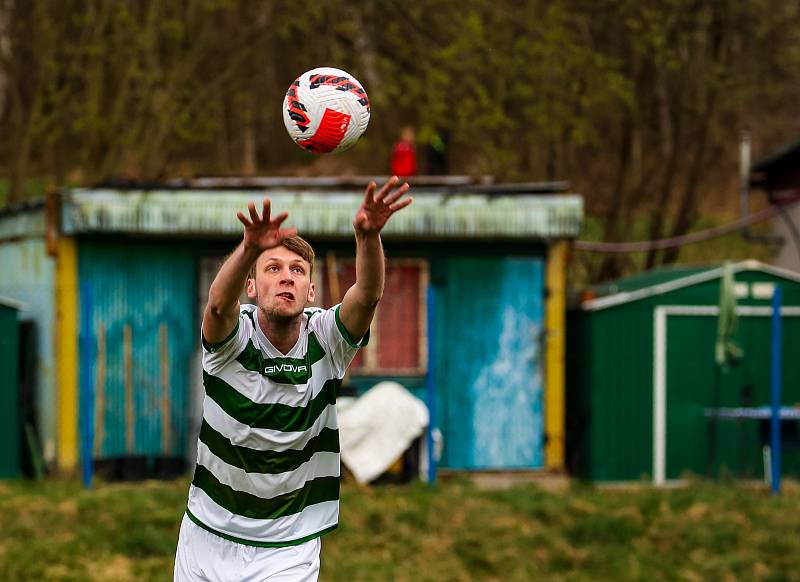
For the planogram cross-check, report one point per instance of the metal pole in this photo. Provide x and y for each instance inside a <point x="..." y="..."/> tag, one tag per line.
<point x="86" y="387"/>
<point x="775" y="418"/>
<point x="744" y="173"/>
<point x="430" y="384"/>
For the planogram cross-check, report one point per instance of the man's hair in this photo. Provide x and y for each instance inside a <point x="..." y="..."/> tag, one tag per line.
<point x="296" y="244"/>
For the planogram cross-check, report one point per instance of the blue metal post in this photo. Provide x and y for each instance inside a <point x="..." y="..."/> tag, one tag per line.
<point x="430" y="384"/>
<point x="86" y="390"/>
<point x="775" y="419"/>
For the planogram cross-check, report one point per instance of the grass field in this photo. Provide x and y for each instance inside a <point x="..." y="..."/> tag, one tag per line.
<point x="55" y="530"/>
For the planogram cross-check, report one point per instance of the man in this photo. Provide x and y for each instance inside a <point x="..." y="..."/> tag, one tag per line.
<point x="403" y="161"/>
<point x="266" y="485"/>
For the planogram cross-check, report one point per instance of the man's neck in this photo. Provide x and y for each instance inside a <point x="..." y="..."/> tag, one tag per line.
<point x="281" y="333"/>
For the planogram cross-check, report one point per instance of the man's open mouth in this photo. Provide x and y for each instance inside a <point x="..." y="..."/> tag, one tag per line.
<point x="287" y="295"/>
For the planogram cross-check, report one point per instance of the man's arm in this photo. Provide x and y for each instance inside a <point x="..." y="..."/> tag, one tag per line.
<point x="260" y="233"/>
<point x="360" y="301"/>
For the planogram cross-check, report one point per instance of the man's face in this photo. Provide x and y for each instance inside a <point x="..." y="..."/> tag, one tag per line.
<point x="282" y="286"/>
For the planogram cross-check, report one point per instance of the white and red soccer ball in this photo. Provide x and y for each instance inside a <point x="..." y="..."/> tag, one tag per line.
<point x="325" y="110"/>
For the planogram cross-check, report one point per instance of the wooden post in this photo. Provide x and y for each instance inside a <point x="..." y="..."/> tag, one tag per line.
<point x="554" y="400"/>
<point x="66" y="347"/>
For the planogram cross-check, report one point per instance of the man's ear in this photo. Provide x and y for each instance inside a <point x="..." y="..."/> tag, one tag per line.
<point x="251" y="288"/>
<point x="312" y="292"/>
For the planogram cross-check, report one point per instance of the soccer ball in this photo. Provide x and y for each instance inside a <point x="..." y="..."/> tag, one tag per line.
<point x="325" y="110"/>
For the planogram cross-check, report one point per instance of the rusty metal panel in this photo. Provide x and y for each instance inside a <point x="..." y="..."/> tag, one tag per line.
<point x="142" y="328"/>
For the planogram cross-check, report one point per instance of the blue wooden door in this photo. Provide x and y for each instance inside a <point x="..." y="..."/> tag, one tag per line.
<point x="489" y="318"/>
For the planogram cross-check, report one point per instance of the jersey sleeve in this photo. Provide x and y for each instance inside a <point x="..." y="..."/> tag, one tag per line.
<point x="216" y="355"/>
<point x="330" y="330"/>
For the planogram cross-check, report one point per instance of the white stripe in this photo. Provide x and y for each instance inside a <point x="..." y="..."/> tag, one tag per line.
<point x="262" y="390"/>
<point x="659" y="396"/>
<point x="263" y="438"/>
<point x="265" y="485"/>
<point x="312" y="519"/>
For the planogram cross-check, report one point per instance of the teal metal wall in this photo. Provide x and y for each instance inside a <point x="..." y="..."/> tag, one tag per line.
<point x="489" y="323"/>
<point x="142" y="303"/>
<point x="9" y="393"/>
<point x="610" y="385"/>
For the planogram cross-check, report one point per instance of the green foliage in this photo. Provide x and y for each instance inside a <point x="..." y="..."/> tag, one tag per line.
<point x="638" y="103"/>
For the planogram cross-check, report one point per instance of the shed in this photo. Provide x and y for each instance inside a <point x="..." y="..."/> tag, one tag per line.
<point x="641" y="372"/>
<point x="29" y="278"/>
<point x="480" y="272"/>
<point x="778" y="175"/>
<point x="10" y="412"/>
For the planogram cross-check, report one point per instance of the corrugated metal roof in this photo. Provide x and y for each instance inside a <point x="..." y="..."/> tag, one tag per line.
<point x="649" y="279"/>
<point x="19" y="224"/>
<point x="196" y="212"/>
<point x="662" y="281"/>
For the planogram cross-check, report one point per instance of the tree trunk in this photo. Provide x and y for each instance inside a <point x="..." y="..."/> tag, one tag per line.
<point x="610" y="266"/>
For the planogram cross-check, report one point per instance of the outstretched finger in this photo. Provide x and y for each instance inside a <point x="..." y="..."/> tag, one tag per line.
<point x="240" y="215"/>
<point x="279" y="218"/>
<point x="395" y="196"/>
<point x="368" y="193"/>
<point x="265" y="210"/>
<point x="400" y="205"/>
<point x="387" y="188"/>
<point x="253" y="214"/>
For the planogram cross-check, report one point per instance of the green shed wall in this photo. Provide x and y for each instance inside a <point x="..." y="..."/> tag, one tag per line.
<point x="610" y="384"/>
<point x="9" y="393"/>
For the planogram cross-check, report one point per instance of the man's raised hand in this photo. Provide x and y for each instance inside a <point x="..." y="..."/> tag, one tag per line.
<point x="376" y="209"/>
<point x="263" y="232"/>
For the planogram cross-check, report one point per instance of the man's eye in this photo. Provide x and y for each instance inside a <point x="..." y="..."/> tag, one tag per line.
<point x="272" y="268"/>
<point x="298" y="270"/>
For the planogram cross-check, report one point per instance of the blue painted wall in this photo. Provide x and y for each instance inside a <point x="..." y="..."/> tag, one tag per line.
<point x="489" y="319"/>
<point x="27" y="275"/>
<point x="142" y="286"/>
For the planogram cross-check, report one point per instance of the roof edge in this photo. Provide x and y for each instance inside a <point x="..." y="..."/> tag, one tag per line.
<point x="713" y="273"/>
<point x="13" y="303"/>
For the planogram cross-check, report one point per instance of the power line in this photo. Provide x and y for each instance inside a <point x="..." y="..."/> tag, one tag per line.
<point x="677" y="241"/>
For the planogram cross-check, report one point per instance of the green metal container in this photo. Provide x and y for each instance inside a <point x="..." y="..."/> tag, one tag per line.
<point x="642" y="374"/>
<point x="9" y="390"/>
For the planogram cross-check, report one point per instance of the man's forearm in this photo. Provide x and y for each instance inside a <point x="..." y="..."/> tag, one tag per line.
<point x="223" y="296"/>
<point x="369" y="268"/>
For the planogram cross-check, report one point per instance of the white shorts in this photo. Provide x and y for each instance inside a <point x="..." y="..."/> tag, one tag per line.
<point x="205" y="556"/>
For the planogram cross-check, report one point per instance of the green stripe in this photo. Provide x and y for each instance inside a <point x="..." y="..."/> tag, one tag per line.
<point x="272" y="416"/>
<point x="272" y="462"/>
<point x="245" y="542"/>
<point x="346" y="334"/>
<point x="283" y="370"/>
<point x="216" y="346"/>
<point x="315" y="491"/>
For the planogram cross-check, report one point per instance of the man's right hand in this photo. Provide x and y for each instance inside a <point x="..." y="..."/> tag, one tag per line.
<point x="262" y="232"/>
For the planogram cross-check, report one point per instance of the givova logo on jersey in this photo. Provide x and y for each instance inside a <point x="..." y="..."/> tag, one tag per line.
<point x="271" y="370"/>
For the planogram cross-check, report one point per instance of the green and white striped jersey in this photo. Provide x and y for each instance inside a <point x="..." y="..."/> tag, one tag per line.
<point x="267" y="469"/>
